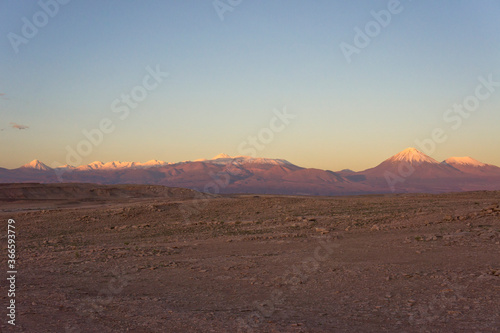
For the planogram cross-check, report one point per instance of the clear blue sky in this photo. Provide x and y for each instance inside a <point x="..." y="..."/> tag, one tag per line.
<point x="227" y="76"/>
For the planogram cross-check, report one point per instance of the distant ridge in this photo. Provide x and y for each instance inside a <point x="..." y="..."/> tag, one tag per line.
<point x="464" y="161"/>
<point x="409" y="171"/>
<point x="471" y="166"/>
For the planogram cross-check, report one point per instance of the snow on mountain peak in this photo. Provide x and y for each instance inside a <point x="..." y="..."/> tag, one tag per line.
<point x="122" y="165"/>
<point x="412" y="155"/>
<point x="66" y="166"/>
<point x="117" y="165"/>
<point x="464" y="161"/>
<point x="262" y="160"/>
<point x="92" y="166"/>
<point x="36" y="164"/>
<point x="221" y="156"/>
<point x="152" y="163"/>
<point x="223" y="159"/>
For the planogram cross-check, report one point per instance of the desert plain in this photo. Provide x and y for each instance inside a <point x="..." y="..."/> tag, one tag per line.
<point x="140" y="258"/>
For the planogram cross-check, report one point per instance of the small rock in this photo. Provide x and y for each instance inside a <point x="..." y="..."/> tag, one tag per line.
<point x="322" y="230"/>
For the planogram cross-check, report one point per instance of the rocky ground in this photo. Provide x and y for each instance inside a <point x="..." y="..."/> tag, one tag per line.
<point x="144" y="259"/>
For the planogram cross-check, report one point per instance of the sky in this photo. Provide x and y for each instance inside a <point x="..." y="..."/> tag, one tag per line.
<point x="321" y="83"/>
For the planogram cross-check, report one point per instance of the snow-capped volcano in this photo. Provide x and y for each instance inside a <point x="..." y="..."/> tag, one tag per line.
<point x="36" y="164"/>
<point x="412" y="156"/>
<point x="468" y="161"/>
<point x="413" y="164"/>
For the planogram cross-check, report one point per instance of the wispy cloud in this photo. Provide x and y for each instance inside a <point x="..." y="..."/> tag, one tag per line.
<point x="19" y="126"/>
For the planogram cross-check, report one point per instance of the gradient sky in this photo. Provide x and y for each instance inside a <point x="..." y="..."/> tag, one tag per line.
<point x="226" y="78"/>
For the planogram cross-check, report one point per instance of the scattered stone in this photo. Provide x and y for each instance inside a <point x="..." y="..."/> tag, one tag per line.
<point x="322" y="230"/>
<point x="144" y="225"/>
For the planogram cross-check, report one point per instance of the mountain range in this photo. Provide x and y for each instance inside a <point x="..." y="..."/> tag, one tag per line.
<point x="407" y="171"/>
